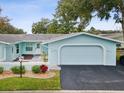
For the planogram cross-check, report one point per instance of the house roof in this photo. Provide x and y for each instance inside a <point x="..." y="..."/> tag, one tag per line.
<point x="15" y="38"/>
<point x="46" y="38"/>
<point x="76" y="34"/>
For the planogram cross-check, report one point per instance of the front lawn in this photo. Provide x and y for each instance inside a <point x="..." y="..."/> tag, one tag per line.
<point x="16" y="83"/>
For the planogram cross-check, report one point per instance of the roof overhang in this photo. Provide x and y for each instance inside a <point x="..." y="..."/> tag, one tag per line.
<point x="4" y="42"/>
<point x="20" y="42"/>
<point x="76" y="34"/>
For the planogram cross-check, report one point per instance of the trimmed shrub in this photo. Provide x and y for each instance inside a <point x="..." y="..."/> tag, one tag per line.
<point x="36" y="69"/>
<point x="43" y="68"/>
<point x="16" y="69"/>
<point x="1" y="70"/>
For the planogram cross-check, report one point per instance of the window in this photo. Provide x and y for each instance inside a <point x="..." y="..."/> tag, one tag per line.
<point x="17" y="48"/>
<point x="38" y="45"/>
<point x="29" y="48"/>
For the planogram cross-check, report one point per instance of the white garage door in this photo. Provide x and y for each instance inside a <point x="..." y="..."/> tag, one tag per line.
<point x="81" y="55"/>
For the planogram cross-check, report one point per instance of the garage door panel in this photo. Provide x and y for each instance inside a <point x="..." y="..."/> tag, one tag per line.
<point x="81" y="55"/>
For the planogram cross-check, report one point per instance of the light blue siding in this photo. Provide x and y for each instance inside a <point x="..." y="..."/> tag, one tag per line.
<point x="11" y="51"/>
<point x="110" y="48"/>
<point x="45" y="48"/>
<point x="25" y="44"/>
<point x="34" y="47"/>
<point x="2" y="52"/>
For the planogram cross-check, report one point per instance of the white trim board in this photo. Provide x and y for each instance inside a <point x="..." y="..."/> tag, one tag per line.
<point x="4" y="42"/>
<point x="21" y="42"/>
<point x="93" y="44"/>
<point x="76" y="34"/>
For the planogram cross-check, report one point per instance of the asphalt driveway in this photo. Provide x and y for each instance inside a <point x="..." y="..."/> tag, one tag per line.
<point x="92" y="77"/>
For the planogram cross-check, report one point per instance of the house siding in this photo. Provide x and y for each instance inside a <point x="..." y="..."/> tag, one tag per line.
<point x="110" y="48"/>
<point x="45" y="48"/>
<point x="11" y="54"/>
<point x="34" y="47"/>
<point x="2" y="52"/>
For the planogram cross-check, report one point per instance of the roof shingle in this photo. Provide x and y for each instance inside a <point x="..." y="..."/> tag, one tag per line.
<point x="13" y="38"/>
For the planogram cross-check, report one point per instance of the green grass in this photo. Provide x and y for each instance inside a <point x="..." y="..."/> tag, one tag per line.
<point x="24" y="83"/>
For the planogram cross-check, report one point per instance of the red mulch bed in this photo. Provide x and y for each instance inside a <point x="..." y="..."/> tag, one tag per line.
<point x="49" y="74"/>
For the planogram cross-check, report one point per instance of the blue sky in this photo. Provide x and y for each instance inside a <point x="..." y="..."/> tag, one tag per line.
<point x="23" y="13"/>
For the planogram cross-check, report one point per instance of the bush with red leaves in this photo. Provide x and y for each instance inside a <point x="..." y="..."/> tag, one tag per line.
<point x="43" y="68"/>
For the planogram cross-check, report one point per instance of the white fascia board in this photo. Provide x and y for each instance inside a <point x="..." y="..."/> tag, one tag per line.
<point x="76" y="34"/>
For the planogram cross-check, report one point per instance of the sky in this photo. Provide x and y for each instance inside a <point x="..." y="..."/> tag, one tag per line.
<point x="23" y="13"/>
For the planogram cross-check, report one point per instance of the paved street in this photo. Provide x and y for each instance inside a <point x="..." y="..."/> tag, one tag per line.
<point x="64" y="91"/>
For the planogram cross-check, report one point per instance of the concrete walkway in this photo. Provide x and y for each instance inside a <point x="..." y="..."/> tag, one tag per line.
<point x="64" y="91"/>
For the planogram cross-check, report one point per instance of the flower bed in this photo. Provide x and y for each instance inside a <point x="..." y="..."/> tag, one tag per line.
<point x="46" y="75"/>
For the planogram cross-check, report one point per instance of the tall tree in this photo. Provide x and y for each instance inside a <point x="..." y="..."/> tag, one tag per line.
<point x="7" y="28"/>
<point x="3" y="20"/>
<point x="83" y="11"/>
<point x="46" y="26"/>
<point x="41" y="26"/>
<point x="73" y="11"/>
<point x="53" y="27"/>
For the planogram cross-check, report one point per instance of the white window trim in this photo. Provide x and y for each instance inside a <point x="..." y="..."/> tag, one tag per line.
<point x="29" y="45"/>
<point x="92" y="44"/>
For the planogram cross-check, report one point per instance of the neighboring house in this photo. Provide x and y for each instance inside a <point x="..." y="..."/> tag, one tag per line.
<point x="12" y="45"/>
<point x="118" y="36"/>
<point x="82" y="49"/>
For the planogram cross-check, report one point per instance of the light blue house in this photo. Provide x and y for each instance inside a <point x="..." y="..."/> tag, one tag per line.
<point x="82" y="49"/>
<point x="69" y="49"/>
<point x="12" y="45"/>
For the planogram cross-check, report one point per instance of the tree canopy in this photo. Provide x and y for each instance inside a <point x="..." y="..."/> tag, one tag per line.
<point x="41" y="26"/>
<point x="87" y="9"/>
<point x="83" y="11"/>
<point x="46" y="26"/>
<point x="75" y="15"/>
<point x="7" y="28"/>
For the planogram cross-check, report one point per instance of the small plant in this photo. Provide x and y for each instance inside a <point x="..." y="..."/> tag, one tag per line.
<point x="1" y="70"/>
<point x="36" y="69"/>
<point x="39" y="69"/>
<point x="16" y="69"/>
<point x="43" y="68"/>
